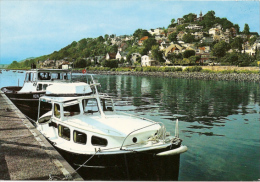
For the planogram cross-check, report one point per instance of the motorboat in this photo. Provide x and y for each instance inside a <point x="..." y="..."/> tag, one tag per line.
<point x="84" y="125"/>
<point x="26" y="97"/>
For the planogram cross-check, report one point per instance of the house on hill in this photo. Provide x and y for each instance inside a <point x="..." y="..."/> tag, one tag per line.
<point x="156" y="31"/>
<point x="194" y="27"/>
<point x="120" y="55"/>
<point x="180" y="21"/>
<point x="134" y="57"/>
<point x="142" y="40"/>
<point x="147" y="61"/>
<point x="180" y="35"/>
<point x="110" y="56"/>
<point x="173" y="48"/>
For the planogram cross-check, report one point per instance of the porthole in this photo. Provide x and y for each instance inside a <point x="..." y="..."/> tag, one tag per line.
<point x="98" y="141"/>
<point x="134" y="139"/>
<point x="64" y="132"/>
<point x="79" y="137"/>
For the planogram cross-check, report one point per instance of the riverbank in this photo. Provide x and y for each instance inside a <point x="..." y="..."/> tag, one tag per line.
<point x="188" y="75"/>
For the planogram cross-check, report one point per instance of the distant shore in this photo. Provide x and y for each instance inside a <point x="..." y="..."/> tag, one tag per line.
<point x="188" y="75"/>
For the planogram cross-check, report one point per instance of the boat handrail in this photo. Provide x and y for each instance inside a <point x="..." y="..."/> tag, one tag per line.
<point x="162" y="129"/>
<point x="138" y="117"/>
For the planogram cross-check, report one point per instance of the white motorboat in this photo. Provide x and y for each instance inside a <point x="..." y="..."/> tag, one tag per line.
<point x="84" y="124"/>
<point x="26" y="97"/>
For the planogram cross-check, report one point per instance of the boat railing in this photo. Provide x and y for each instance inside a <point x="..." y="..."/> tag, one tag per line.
<point x="161" y="134"/>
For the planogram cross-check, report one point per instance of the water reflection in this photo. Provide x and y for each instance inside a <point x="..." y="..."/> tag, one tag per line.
<point x="203" y="102"/>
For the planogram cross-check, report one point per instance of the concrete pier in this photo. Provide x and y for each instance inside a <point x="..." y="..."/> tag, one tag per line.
<point x="24" y="153"/>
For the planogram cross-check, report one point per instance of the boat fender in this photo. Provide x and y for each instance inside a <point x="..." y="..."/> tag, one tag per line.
<point x="176" y="151"/>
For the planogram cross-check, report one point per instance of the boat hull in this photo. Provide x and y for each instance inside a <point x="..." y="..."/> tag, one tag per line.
<point x="27" y="103"/>
<point x="130" y="166"/>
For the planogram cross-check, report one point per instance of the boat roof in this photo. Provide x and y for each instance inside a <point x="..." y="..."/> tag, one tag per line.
<point x="49" y="70"/>
<point x="68" y="89"/>
<point x="57" y="99"/>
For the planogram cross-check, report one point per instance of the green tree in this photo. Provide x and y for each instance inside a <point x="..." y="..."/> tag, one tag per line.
<point x="148" y="43"/>
<point x="194" y="59"/>
<point x="110" y="63"/>
<point x="188" y="38"/>
<point x="157" y="54"/>
<point x="246" y="29"/>
<point x="219" y="50"/>
<point x="252" y="40"/>
<point x="100" y="39"/>
<point x="106" y="37"/>
<point x="236" y="26"/>
<point x="188" y="53"/>
<point x="173" y="37"/>
<point x="189" y="18"/>
<point x="237" y="43"/>
<point x="230" y="59"/>
<point x="173" y="21"/>
<point x="14" y="64"/>
<point x="226" y="24"/>
<point x="139" y="33"/>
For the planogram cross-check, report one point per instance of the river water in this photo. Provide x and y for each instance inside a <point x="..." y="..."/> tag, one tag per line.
<point x="218" y="120"/>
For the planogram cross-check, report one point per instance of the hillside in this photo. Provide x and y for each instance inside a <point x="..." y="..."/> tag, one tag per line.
<point x="190" y="34"/>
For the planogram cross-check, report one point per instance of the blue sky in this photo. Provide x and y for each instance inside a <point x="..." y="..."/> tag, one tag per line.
<point x="31" y="28"/>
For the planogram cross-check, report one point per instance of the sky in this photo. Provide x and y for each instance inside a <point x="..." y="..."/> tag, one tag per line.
<point x="32" y="28"/>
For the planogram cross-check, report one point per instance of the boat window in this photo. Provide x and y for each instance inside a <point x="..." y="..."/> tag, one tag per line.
<point x="56" y="76"/>
<point x="66" y="76"/>
<point x="31" y="77"/>
<point x="90" y="105"/>
<point x="39" y="87"/>
<point x="42" y="86"/>
<point x="57" y="110"/>
<point x="44" y="76"/>
<point x="107" y="104"/>
<point x="71" y="110"/>
<point x="44" y="107"/>
<point x="79" y="137"/>
<point x="98" y="141"/>
<point x="34" y="76"/>
<point x="27" y="77"/>
<point x="64" y="132"/>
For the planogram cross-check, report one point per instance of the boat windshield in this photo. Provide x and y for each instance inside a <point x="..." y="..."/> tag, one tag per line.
<point x="71" y="108"/>
<point x="45" y="106"/>
<point x="53" y="76"/>
<point x="90" y="105"/>
<point x="107" y="105"/>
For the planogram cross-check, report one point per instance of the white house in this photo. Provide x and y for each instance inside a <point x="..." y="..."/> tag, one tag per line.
<point x="147" y="61"/>
<point x="118" y="55"/>
<point x="198" y="35"/>
<point x="194" y="27"/>
<point x="156" y="31"/>
<point x="215" y="31"/>
<point x="134" y="57"/>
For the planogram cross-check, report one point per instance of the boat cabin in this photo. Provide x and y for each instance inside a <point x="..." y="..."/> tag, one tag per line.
<point x="40" y="79"/>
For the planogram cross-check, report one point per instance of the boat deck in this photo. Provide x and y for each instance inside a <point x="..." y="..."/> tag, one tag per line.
<point x="24" y="153"/>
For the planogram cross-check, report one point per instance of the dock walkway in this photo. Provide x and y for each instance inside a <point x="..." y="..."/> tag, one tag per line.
<point x="24" y="153"/>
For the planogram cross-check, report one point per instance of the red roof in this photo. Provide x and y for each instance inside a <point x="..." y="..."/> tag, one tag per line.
<point x="144" y="38"/>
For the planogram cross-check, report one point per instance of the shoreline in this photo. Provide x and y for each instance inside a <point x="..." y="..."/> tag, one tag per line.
<point x="187" y="75"/>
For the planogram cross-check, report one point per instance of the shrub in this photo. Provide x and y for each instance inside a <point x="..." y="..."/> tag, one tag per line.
<point x="178" y="69"/>
<point x="139" y="69"/>
<point x="193" y="69"/>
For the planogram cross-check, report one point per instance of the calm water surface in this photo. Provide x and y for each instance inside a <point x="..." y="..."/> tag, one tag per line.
<point x="218" y="121"/>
